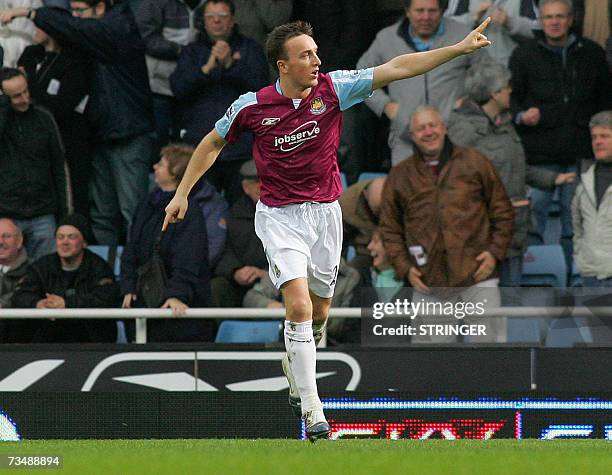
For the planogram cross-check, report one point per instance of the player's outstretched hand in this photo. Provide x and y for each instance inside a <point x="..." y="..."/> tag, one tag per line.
<point x="476" y="39"/>
<point x="175" y="211"/>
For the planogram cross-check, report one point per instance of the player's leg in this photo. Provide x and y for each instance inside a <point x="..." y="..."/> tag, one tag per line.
<point x="320" y="314"/>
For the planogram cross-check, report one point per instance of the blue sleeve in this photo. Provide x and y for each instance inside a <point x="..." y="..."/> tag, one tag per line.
<point x="352" y="87"/>
<point x="225" y="123"/>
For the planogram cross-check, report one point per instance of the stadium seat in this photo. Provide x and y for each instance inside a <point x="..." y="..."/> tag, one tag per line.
<point x="343" y="180"/>
<point x="523" y="330"/>
<point x="238" y="331"/>
<point x="370" y="176"/>
<point x="101" y="251"/>
<point x="575" y="278"/>
<point x="350" y="253"/>
<point x="568" y="332"/>
<point x="544" y="266"/>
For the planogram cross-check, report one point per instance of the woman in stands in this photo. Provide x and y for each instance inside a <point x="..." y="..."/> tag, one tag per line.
<point x="483" y="121"/>
<point x="183" y="249"/>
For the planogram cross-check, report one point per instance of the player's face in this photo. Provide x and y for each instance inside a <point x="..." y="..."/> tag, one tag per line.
<point x="302" y="63"/>
<point x="10" y="242"/>
<point x="69" y="241"/>
<point x="377" y="251"/>
<point x="556" y="21"/>
<point x="425" y="17"/>
<point x="428" y="132"/>
<point x="601" y="139"/>
<point x="218" y="21"/>
<point x="18" y="93"/>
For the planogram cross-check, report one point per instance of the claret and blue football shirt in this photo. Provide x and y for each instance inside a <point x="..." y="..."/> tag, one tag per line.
<point x="295" y="142"/>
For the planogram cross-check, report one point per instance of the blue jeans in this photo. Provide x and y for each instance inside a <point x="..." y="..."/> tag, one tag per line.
<point x="540" y="206"/>
<point x="119" y="185"/>
<point x="39" y="234"/>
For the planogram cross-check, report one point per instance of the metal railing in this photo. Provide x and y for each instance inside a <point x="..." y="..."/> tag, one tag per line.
<point x="142" y="314"/>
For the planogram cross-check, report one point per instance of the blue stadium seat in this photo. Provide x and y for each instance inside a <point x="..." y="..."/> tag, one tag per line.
<point x="239" y="331"/>
<point x="343" y="180"/>
<point x="523" y="330"/>
<point x="370" y="176"/>
<point x="544" y="266"/>
<point x="101" y="251"/>
<point x="350" y="253"/>
<point x="568" y="332"/>
<point x="575" y="278"/>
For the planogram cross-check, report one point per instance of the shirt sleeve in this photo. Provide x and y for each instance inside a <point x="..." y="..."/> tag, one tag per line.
<point x="232" y="124"/>
<point x="352" y="87"/>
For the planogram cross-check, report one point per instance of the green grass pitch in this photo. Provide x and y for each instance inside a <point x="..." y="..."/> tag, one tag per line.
<point x="292" y="457"/>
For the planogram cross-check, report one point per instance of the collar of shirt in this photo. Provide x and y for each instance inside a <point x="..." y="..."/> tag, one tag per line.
<point x="421" y="45"/>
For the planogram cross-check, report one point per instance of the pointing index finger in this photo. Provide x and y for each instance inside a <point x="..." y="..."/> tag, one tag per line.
<point x="483" y="25"/>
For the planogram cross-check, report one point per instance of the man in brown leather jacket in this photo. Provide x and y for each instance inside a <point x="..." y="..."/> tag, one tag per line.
<point x="446" y="219"/>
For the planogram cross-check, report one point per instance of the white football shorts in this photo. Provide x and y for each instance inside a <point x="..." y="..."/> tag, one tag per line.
<point x="302" y="240"/>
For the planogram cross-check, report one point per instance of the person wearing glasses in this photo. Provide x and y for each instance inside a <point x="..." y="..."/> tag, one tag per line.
<point x="210" y="74"/>
<point x="120" y="107"/>
<point x="559" y="80"/>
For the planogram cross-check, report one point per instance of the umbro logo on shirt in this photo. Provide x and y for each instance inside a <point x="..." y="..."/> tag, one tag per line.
<point x="270" y="120"/>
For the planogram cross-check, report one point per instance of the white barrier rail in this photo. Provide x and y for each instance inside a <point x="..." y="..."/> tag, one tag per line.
<point x="142" y="314"/>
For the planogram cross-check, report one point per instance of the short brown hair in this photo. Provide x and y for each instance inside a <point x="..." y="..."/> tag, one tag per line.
<point x="275" y="44"/>
<point x="178" y="156"/>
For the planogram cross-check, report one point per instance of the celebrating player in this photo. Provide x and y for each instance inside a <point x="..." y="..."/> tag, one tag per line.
<point x="296" y="128"/>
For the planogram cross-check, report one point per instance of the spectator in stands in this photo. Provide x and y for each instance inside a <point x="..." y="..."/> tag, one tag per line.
<point x="166" y="26"/>
<point x="120" y="107"/>
<point x="14" y="264"/>
<point x="60" y="80"/>
<point x="592" y="208"/>
<point x="512" y="21"/>
<point x="264" y="295"/>
<point x="422" y="29"/>
<point x="183" y="249"/>
<point x="360" y="205"/>
<point x="13" y="260"/>
<point x="483" y="121"/>
<point x="73" y="277"/>
<point x="446" y="219"/>
<point x="34" y="185"/>
<point x="213" y="205"/>
<point x="243" y="261"/>
<point x="592" y="19"/>
<point x="14" y="37"/>
<point x="257" y="18"/>
<point x="559" y="81"/>
<point x="210" y="74"/>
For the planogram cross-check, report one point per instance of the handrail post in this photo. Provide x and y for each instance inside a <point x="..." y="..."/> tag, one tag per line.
<point x="141" y="330"/>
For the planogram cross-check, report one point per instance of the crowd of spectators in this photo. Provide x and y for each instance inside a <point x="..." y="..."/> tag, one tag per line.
<point x="103" y="101"/>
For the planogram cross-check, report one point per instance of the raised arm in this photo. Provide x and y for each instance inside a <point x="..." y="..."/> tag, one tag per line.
<point x="410" y="65"/>
<point x="202" y="159"/>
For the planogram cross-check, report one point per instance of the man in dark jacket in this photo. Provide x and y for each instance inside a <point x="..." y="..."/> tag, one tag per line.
<point x="559" y="81"/>
<point x="244" y="261"/>
<point x="60" y="80"/>
<point x="120" y="107"/>
<point x="73" y="277"/>
<point x="210" y="74"/>
<point x="33" y="181"/>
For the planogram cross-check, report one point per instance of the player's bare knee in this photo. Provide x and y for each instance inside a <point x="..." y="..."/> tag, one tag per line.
<point x="299" y="310"/>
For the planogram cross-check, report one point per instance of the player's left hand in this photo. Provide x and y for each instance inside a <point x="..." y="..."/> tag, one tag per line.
<point x="486" y="267"/>
<point x="476" y="39"/>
